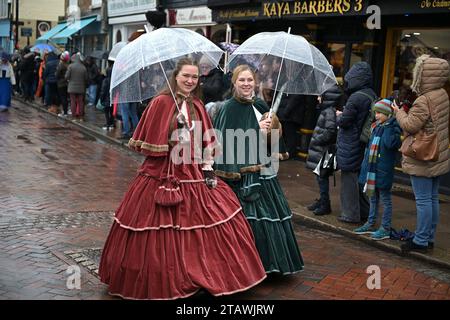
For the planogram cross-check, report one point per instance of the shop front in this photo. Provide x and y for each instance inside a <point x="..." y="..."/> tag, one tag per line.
<point x="198" y="19"/>
<point x="409" y="28"/>
<point x="413" y="28"/>
<point x="336" y="27"/>
<point x="128" y="17"/>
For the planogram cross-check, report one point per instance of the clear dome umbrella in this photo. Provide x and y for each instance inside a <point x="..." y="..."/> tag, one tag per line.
<point x="286" y="63"/>
<point x="115" y="50"/>
<point x="143" y="66"/>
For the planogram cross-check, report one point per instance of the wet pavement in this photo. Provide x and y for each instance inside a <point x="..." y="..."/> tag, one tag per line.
<point x="60" y="187"/>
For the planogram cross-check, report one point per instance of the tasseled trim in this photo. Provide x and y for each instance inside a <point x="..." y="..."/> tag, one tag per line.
<point x="251" y="169"/>
<point x="228" y="175"/>
<point x="147" y="146"/>
<point x="236" y="175"/>
<point x="177" y="227"/>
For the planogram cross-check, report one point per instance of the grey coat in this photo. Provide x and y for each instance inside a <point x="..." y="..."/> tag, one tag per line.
<point x="77" y="76"/>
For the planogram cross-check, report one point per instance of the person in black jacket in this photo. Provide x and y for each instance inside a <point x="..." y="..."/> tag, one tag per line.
<point x="26" y="68"/>
<point x="293" y="112"/>
<point x="94" y="78"/>
<point x="51" y="88"/>
<point x="350" y="151"/>
<point x="323" y="139"/>
<point x="211" y="82"/>
<point x="105" y="99"/>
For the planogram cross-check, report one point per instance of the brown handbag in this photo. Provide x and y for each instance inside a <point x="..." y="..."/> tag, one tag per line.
<point x="422" y="146"/>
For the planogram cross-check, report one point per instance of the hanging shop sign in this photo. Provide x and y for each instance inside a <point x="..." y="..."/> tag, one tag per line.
<point x="127" y="7"/>
<point x="192" y="16"/>
<point x="293" y="9"/>
<point x="313" y="8"/>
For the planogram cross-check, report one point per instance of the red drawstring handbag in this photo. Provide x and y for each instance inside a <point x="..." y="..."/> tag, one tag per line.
<point x="169" y="193"/>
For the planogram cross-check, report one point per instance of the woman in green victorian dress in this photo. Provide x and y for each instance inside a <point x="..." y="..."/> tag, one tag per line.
<point x="245" y="167"/>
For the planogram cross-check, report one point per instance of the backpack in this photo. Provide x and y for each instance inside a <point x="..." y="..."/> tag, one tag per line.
<point x="370" y="118"/>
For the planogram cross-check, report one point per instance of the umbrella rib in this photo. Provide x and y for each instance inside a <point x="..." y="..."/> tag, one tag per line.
<point x="167" y="80"/>
<point x="281" y="66"/>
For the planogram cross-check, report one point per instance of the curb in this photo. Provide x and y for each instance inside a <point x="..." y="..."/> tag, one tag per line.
<point x="304" y="220"/>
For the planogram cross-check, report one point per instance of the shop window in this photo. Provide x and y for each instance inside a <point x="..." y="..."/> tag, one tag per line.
<point x="357" y="54"/>
<point x="118" y="36"/>
<point x="200" y="31"/>
<point x="411" y="45"/>
<point x="336" y="57"/>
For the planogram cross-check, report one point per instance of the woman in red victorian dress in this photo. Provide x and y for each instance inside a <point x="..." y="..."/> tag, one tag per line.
<point x="158" y="250"/>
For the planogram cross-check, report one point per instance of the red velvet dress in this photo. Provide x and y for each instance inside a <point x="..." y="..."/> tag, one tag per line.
<point x="158" y="252"/>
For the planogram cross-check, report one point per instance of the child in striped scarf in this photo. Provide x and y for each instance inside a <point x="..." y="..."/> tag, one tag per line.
<point x="377" y="170"/>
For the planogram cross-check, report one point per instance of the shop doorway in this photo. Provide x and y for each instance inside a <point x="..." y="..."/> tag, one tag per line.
<point x="342" y="56"/>
<point x="404" y="47"/>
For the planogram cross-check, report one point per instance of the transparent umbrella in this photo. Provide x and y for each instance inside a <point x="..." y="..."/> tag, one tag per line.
<point x="115" y="50"/>
<point x="142" y="67"/>
<point x="285" y="62"/>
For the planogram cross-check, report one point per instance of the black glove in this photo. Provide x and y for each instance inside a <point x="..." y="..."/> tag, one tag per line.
<point x="210" y="178"/>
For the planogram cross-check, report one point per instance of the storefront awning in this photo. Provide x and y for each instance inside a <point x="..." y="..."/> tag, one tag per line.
<point x="73" y="28"/>
<point x="50" y="33"/>
<point x="4" y="28"/>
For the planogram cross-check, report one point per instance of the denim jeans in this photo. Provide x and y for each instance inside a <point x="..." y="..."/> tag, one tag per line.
<point x="128" y="111"/>
<point x="426" y="191"/>
<point x="324" y="188"/>
<point x="92" y="93"/>
<point x="386" y="199"/>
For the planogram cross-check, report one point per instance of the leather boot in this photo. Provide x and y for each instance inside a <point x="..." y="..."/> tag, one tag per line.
<point x="323" y="209"/>
<point x="314" y="205"/>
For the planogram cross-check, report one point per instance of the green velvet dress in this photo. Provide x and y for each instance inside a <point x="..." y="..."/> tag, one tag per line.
<point x="256" y="185"/>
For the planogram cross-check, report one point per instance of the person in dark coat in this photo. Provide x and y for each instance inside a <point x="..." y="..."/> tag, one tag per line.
<point x="26" y="69"/>
<point x="77" y="77"/>
<point x="324" y="138"/>
<point x="358" y="84"/>
<point x="62" y="82"/>
<point x="211" y="82"/>
<point x="51" y="88"/>
<point x="291" y="112"/>
<point x="94" y="77"/>
<point x="105" y="98"/>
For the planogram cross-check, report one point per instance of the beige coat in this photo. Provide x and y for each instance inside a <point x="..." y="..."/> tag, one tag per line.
<point x="430" y="75"/>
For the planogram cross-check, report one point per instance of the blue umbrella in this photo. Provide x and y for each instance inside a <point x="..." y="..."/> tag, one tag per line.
<point x="42" y="47"/>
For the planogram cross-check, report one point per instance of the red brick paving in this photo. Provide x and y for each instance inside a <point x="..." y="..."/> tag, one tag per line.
<point x="60" y="188"/>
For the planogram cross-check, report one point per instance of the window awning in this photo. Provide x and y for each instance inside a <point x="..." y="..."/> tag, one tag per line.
<point x="73" y="28"/>
<point x="50" y="33"/>
<point x="4" y="28"/>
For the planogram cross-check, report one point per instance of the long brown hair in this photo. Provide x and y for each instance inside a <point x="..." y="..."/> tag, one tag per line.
<point x="173" y="81"/>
